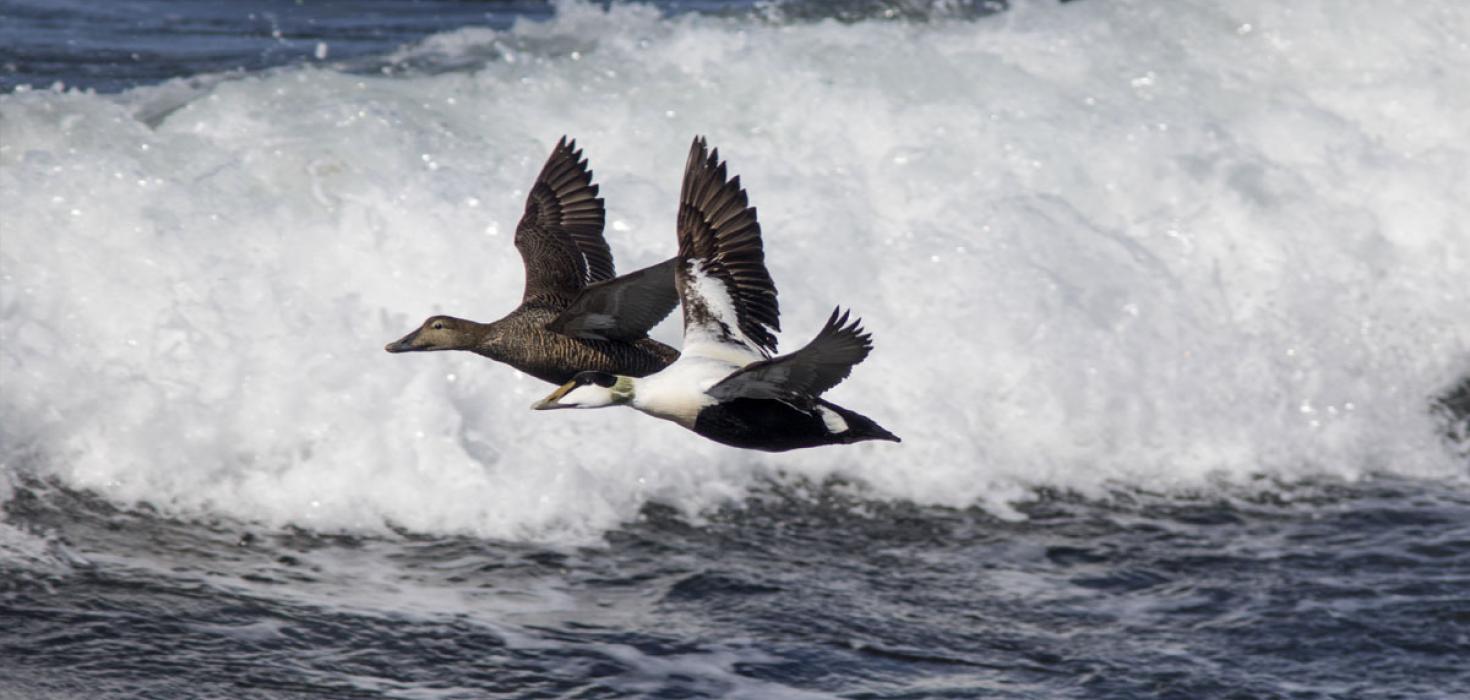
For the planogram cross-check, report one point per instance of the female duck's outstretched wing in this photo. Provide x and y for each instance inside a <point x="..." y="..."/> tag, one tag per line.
<point x="623" y="308"/>
<point x="560" y="235"/>
<point x="800" y="377"/>
<point x="729" y="300"/>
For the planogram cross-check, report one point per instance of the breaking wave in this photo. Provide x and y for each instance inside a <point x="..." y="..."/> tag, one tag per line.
<point x="1099" y="245"/>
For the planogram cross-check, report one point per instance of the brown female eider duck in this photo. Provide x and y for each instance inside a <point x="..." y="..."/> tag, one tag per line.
<point x="574" y="315"/>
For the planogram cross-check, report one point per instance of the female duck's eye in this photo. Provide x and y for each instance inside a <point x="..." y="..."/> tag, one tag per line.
<point x="438" y="326"/>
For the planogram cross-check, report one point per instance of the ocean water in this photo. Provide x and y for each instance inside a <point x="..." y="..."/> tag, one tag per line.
<point x="1168" y="303"/>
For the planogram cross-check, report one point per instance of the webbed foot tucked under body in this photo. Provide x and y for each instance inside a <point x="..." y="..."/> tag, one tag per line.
<point x="574" y="314"/>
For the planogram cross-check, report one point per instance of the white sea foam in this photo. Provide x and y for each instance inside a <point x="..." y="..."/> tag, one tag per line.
<point x="1097" y="243"/>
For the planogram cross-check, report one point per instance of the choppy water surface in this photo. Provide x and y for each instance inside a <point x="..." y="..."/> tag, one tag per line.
<point x="115" y="45"/>
<point x="1314" y="591"/>
<point x="1168" y="302"/>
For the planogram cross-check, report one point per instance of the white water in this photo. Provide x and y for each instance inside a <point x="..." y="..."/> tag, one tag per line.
<point x="1105" y="243"/>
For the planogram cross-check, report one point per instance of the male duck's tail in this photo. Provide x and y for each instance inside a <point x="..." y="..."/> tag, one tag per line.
<point x="859" y="427"/>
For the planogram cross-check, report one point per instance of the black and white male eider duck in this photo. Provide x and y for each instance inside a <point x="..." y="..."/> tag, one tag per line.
<point x="574" y="315"/>
<point x="726" y="385"/>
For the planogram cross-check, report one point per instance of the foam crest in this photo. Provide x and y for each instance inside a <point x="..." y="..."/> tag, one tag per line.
<point x="1097" y="244"/>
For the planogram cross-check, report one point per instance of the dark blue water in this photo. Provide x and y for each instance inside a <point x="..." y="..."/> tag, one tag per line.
<point x="1315" y="591"/>
<point x="111" y="46"/>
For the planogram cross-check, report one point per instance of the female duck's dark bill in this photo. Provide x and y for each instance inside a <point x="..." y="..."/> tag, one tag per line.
<point x="404" y="344"/>
<point x="400" y="345"/>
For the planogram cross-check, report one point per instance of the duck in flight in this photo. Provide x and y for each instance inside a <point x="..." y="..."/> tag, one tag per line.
<point x="726" y="385"/>
<point x="574" y="315"/>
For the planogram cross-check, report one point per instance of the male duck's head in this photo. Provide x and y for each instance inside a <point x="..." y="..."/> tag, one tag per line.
<point x="438" y="333"/>
<point x="589" y="390"/>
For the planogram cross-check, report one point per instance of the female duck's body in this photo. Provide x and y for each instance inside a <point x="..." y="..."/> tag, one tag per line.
<point x="556" y="358"/>
<point x="574" y="314"/>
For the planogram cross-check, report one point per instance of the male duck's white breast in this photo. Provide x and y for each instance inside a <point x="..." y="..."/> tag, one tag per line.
<point x="678" y="392"/>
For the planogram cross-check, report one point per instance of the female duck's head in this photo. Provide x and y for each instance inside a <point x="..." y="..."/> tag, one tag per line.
<point x="440" y="333"/>
<point x="589" y="390"/>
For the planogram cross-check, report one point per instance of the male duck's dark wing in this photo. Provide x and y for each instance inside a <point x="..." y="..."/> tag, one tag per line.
<point x="729" y="299"/>
<point x="802" y="376"/>
<point x="560" y="235"/>
<point x="623" y="308"/>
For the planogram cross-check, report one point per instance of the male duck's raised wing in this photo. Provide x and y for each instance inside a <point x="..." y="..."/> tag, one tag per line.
<point x="802" y="376"/>
<point x="729" y="300"/>
<point x="623" y="308"/>
<point x="560" y="235"/>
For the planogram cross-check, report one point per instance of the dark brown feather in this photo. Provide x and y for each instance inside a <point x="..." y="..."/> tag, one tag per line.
<point x="623" y="308"/>
<point x="560" y="234"/>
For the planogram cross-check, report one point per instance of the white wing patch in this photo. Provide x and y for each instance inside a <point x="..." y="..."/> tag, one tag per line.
<point x="708" y="339"/>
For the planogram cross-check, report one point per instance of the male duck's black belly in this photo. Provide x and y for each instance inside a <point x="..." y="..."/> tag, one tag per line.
<point x="763" y="424"/>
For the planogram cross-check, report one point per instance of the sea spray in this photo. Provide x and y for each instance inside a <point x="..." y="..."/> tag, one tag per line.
<point x="1097" y="245"/>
